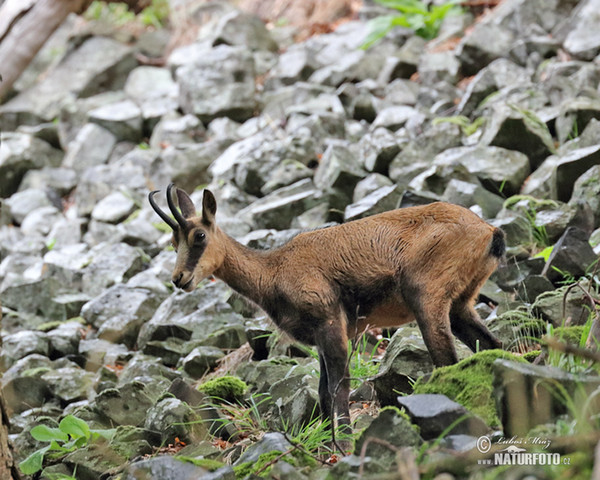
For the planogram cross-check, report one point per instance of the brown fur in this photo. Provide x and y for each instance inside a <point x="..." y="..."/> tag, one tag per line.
<point x="423" y="263"/>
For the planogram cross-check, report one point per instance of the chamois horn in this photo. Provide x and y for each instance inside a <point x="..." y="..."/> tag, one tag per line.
<point x="168" y="220"/>
<point x="176" y="213"/>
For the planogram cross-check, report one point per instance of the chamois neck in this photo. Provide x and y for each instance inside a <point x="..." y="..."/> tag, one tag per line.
<point x="245" y="270"/>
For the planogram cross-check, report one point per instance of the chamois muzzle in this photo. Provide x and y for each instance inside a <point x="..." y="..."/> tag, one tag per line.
<point x="181" y="221"/>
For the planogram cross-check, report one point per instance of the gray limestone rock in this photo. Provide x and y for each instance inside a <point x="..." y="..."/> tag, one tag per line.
<point x="99" y="63"/>
<point x="434" y="414"/>
<point x="20" y="153"/>
<point x="24" y="202"/>
<point x="113" y="208"/>
<point x="208" y="93"/>
<point x="92" y="146"/>
<point x="123" y="119"/>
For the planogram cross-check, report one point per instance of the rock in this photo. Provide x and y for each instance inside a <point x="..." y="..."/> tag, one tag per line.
<point x="293" y="65"/>
<point x="586" y="189"/>
<point x="99" y="181"/>
<point x="92" y="146"/>
<point x="119" y="312"/>
<point x="69" y="384"/>
<point x="99" y="63"/>
<point x="35" y="297"/>
<point x="201" y="360"/>
<point x="378" y="149"/>
<point x="22" y="385"/>
<point x="533" y="286"/>
<point x="123" y="119"/>
<point x="113" y="208"/>
<point x="517" y="129"/>
<point x="470" y="195"/>
<point x="394" y="117"/>
<point x="434" y="414"/>
<point x="111" y="264"/>
<point x="101" y="352"/>
<point x="569" y="168"/>
<point x="40" y="221"/>
<point x="582" y="40"/>
<point x="378" y="201"/>
<point x="405" y="63"/>
<point x="21" y="344"/>
<point x="154" y="91"/>
<point x="485" y="43"/>
<point x="405" y="359"/>
<point x="295" y="399"/>
<point x="125" y="405"/>
<point x="272" y="441"/>
<point x="392" y="427"/>
<point x="175" y="129"/>
<point x="526" y="394"/>
<point x="498" y="74"/>
<point x="229" y="92"/>
<point x="132" y="442"/>
<point x="175" y="419"/>
<point x="19" y="153"/>
<point x="187" y="165"/>
<point x="61" y="180"/>
<point x="369" y="184"/>
<point x="278" y="209"/>
<point x="194" y="315"/>
<point x="91" y="461"/>
<point x="499" y="170"/>
<point x="572" y="254"/>
<point x="165" y="466"/>
<point x="574" y="117"/>
<point x="243" y="29"/>
<point x="468" y="383"/>
<point x="338" y="169"/>
<point x="64" y="339"/>
<point x="285" y="174"/>
<point x="24" y="202"/>
<point x="555" y="308"/>
<point x="437" y="67"/>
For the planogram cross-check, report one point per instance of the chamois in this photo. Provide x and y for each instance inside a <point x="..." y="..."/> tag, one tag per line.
<point x="424" y="263"/>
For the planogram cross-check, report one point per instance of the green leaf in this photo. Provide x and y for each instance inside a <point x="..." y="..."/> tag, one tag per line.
<point x="43" y="433"/>
<point x="380" y="26"/>
<point x="33" y="463"/>
<point x="75" y="427"/>
<point x="107" y="433"/>
<point x="405" y="6"/>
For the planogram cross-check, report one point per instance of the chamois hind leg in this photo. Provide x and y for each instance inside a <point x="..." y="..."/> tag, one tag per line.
<point x="469" y="328"/>
<point x="434" y="322"/>
<point x="332" y="343"/>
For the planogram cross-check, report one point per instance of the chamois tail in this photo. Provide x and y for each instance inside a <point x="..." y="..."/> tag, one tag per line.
<point x="498" y="245"/>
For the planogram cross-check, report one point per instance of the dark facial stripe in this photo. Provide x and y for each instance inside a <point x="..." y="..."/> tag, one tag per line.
<point x="194" y="255"/>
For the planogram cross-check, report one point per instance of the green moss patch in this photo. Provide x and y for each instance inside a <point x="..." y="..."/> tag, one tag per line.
<point x="248" y="468"/>
<point x="569" y="334"/>
<point x="227" y="388"/>
<point x="206" y="463"/>
<point x="469" y="383"/>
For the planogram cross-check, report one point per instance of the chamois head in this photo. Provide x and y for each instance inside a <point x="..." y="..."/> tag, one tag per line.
<point x="198" y="252"/>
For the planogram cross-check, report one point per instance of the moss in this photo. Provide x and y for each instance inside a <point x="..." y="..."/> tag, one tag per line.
<point x="469" y="383"/>
<point x="247" y="468"/>
<point x="205" y="463"/>
<point x="47" y="326"/>
<point x="531" y="356"/>
<point x="571" y="334"/>
<point x="228" y="388"/>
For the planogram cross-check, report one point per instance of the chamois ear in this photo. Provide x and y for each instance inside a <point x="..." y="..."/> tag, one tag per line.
<point x="209" y="207"/>
<point x="185" y="204"/>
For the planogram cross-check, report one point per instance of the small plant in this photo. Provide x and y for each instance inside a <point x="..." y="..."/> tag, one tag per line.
<point x="72" y="433"/>
<point x="155" y="15"/>
<point x="423" y="19"/>
<point x="467" y="126"/>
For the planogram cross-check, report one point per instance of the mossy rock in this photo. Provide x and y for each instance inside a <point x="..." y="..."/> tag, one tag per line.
<point x="469" y="383"/>
<point x="570" y="334"/>
<point x="206" y="463"/>
<point x="227" y="388"/>
<point x="532" y="355"/>
<point x="250" y="468"/>
<point x="517" y="327"/>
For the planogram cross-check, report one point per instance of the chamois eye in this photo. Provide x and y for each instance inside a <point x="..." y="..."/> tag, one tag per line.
<point x="199" y="238"/>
